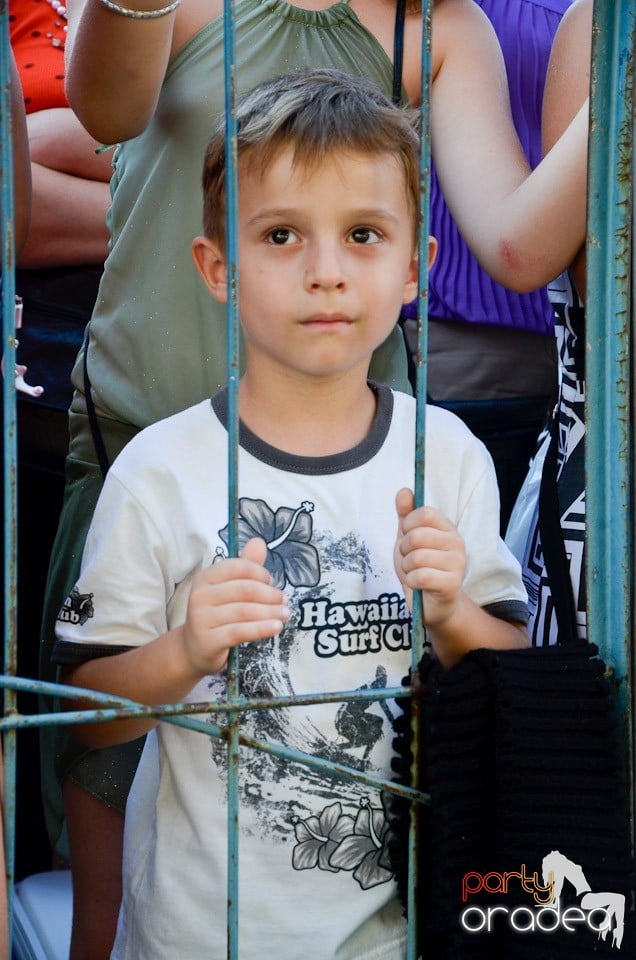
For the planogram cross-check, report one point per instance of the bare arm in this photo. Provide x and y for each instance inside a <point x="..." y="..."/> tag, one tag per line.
<point x="58" y="140"/>
<point x="524" y="229"/>
<point x="153" y="674"/>
<point x="70" y="193"/>
<point x="567" y="87"/>
<point x="115" y="65"/>
<point x="231" y="602"/>
<point x="68" y="224"/>
<point x="21" y="164"/>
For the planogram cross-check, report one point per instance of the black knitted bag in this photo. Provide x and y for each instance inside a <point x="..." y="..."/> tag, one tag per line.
<point x="520" y="753"/>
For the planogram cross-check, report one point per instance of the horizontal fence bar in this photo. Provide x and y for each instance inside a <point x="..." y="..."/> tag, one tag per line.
<point x="239" y="704"/>
<point x="120" y="708"/>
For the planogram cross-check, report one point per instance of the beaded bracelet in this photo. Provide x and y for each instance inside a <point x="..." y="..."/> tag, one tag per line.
<point x="141" y="14"/>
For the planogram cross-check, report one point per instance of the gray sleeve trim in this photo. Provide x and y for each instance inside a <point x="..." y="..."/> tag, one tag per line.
<point x="514" y="610"/>
<point x="68" y="653"/>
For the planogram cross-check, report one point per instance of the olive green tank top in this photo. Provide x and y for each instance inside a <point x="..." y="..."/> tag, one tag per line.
<point x="157" y="338"/>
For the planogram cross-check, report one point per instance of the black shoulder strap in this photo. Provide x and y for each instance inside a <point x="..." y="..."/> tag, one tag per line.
<point x="398" y="50"/>
<point x="556" y="561"/>
<point x="96" y="433"/>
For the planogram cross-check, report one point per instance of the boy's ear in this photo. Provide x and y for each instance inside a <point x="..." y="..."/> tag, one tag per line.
<point x="410" y="288"/>
<point x="432" y="251"/>
<point x="209" y="259"/>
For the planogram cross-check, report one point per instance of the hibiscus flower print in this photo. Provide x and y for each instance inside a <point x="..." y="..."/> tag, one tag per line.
<point x="336" y="841"/>
<point x="318" y="838"/>
<point x="291" y="558"/>
<point x="363" y="850"/>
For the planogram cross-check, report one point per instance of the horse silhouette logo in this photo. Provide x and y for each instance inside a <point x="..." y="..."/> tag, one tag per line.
<point x="557" y="869"/>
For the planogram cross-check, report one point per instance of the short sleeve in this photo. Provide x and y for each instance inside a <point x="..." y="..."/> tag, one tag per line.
<point x="493" y="575"/>
<point x="122" y="594"/>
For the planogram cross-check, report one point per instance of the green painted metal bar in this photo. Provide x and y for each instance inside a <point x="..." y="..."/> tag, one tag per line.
<point x="421" y="362"/>
<point x="233" y="727"/>
<point x="238" y="704"/>
<point x="10" y="550"/>
<point x="609" y="300"/>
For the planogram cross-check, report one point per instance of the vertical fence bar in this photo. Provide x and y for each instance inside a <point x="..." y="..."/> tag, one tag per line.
<point x="233" y="719"/>
<point x="609" y="473"/>
<point x="422" y="325"/>
<point x="7" y="291"/>
<point x="629" y="706"/>
<point x="421" y="361"/>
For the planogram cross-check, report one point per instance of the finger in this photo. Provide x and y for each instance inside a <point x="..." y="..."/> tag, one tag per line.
<point x="238" y="615"/>
<point x="437" y="585"/>
<point x="404" y="502"/>
<point x="209" y="649"/>
<point x="445" y="561"/>
<point x="210" y="630"/>
<point x="246" y="590"/>
<point x="428" y="518"/>
<point x="233" y="568"/>
<point x="251" y="631"/>
<point x="255" y="550"/>
<point x="431" y="538"/>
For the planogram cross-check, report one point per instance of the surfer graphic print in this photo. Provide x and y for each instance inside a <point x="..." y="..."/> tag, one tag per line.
<point x="329" y="623"/>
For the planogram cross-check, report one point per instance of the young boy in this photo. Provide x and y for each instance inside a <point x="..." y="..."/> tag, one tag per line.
<point x="328" y="183"/>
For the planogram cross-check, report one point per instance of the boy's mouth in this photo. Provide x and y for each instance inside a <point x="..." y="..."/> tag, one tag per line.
<point x="327" y="320"/>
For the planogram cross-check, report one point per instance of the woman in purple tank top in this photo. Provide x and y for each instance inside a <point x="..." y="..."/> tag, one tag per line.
<point x="492" y="355"/>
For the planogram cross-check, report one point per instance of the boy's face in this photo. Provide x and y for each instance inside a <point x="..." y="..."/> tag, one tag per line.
<point x="326" y="259"/>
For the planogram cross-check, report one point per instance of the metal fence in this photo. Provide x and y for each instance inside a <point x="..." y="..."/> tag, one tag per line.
<point x="610" y="415"/>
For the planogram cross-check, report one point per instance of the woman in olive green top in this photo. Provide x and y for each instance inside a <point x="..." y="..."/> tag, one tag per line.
<point x="157" y="344"/>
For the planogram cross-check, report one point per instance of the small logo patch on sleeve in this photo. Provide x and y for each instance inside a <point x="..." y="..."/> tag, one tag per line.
<point x="77" y="608"/>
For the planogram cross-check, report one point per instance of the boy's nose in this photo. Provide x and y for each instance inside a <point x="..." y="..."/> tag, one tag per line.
<point x="324" y="268"/>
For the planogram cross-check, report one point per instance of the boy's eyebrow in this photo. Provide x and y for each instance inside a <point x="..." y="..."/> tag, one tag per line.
<point x="290" y="213"/>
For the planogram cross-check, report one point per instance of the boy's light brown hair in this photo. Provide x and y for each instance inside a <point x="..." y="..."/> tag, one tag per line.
<point x="315" y="113"/>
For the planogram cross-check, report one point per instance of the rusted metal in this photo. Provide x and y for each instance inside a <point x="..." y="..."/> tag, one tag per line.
<point x="609" y="365"/>
<point x="9" y="442"/>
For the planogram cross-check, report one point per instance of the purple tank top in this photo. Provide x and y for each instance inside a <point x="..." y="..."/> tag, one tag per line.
<point x="458" y="287"/>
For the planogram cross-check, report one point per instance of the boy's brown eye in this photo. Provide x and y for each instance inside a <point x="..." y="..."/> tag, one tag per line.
<point x="280" y="235"/>
<point x="364" y="235"/>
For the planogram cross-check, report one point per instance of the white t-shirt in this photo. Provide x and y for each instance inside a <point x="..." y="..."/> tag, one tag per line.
<point x="312" y="861"/>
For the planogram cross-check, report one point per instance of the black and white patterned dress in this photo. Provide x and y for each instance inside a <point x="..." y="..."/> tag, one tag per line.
<point x="570" y="414"/>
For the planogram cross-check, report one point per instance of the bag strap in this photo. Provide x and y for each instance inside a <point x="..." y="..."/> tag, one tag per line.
<point x="556" y="561"/>
<point x="96" y="433"/>
<point x="398" y="51"/>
